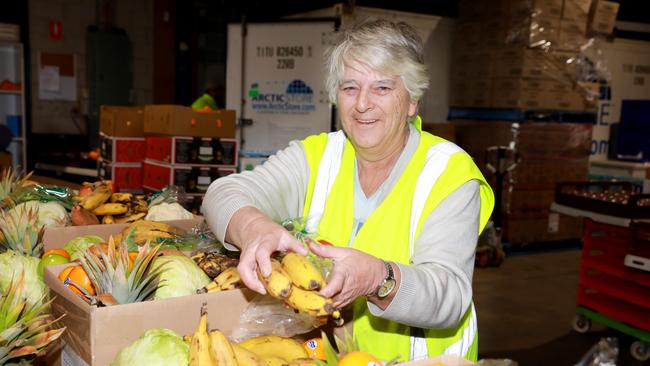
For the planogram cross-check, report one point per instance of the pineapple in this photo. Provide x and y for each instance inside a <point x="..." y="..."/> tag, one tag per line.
<point x="9" y="183"/>
<point x="21" y="232"/>
<point x="25" y="330"/>
<point x="20" y="249"/>
<point x="115" y="279"/>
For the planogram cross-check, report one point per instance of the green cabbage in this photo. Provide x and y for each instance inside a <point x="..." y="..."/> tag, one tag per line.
<point x="80" y="243"/>
<point x="50" y="214"/>
<point x="180" y="276"/>
<point x="160" y="347"/>
<point x="12" y="265"/>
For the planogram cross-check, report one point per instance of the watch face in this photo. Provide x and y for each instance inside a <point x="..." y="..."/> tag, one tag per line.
<point x="386" y="288"/>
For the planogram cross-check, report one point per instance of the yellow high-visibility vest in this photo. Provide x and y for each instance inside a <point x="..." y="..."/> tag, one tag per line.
<point x="437" y="168"/>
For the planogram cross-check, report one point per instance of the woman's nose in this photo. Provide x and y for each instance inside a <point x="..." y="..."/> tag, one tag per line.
<point x="364" y="102"/>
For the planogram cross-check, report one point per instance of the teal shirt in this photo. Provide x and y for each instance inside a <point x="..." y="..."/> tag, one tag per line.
<point x="203" y="101"/>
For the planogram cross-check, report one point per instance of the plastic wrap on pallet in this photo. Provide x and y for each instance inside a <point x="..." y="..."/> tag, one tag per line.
<point x="527" y="54"/>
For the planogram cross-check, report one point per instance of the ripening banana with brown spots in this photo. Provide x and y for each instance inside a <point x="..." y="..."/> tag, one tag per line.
<point x="302" y="272"/>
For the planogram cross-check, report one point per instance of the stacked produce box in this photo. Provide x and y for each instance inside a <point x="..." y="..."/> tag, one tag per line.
<point x="187" y="148"/>
<point x="547" y="153"/>
<point x="122" y="146"/>
<point x="522" y="54"/>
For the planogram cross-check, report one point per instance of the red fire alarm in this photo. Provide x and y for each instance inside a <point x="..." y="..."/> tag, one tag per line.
<point x="55" y="30"/>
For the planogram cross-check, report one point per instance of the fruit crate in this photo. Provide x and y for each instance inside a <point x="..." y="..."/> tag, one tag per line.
<point x="610" y="292"/>
<point x="621" y="199"/>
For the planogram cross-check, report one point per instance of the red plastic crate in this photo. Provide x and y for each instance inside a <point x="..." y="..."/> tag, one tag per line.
<point x="622" y="311"/>
<point x="606" y="285"/>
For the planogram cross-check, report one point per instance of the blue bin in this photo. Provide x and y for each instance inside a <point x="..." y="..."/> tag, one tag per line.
<point x="13" y="123"/>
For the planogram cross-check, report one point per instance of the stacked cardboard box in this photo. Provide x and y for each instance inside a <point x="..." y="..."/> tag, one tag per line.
<point x="513" y="54"/>
<point x="187" y="148"/>
<point x="547" y="153"/>
<point x="122" y="146"/>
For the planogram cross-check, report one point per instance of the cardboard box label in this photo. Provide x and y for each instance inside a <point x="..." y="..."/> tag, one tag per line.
<point x="126" y="176"/>
<point x="122" y="149"/>
<point x="204" y="151"/>
<point x="194" y="179"/>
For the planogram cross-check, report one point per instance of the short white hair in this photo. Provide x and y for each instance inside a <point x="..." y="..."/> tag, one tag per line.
<point x="387" y="47"/>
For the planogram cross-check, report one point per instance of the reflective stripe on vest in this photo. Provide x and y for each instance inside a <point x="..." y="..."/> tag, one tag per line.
<point x="436" y="162"/>
<point x="327" y="172"/>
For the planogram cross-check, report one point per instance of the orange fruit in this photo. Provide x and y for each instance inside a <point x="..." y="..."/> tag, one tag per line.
<point x="77" y="275"/>
<point x="314" y="348"/>
<point x="62" y="252"/>
<point x="359" y="358"/>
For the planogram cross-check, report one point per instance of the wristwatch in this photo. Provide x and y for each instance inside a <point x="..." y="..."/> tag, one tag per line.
<point x="388" y="284"/>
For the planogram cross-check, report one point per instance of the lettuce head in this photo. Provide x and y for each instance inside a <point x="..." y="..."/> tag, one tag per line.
<point x="180" y="276"/>
<point x="159" y="346"/>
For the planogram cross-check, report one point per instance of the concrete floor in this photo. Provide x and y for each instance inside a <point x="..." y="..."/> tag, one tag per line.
<point x="525" y="310"/>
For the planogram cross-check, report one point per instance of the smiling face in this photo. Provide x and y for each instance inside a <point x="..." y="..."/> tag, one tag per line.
<point x="374" y="109"/>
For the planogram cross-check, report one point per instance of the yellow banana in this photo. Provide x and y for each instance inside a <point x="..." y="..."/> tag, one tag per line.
<point x="110" y="209"/>
<point x="303" y="362"/>
<point x="302" y="272"/>
<point x="121" y="197"/>
<point x="221" y="349"/>
<point x="93" y="200"/>
<point x="275" y="361"/>
<point x="309" y="302"/>
<point x="278" y="283"/>
<point x="200" y="347"/>
<point x="245" y="357"/>
<point x="275" y="346"/>
<point x="228" y="279"/>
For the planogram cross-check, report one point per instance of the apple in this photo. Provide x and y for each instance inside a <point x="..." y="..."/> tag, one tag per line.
<point x="50" y="260"/>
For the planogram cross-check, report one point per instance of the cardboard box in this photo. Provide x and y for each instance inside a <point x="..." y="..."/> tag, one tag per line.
<point x="604" y="18"/>
<point x="445" y="130"/>
<point x="522" y="93"/>
<point x="545" y="8"/>
<point x="194" y="179"/>
<point x="174" y="120"/>
<point x="203" y="151"/>
<point x="577" y="10"/>
<point x="98" y="334"/>
<point x="520" y="62"/>
<point x="547" y="228"/>
<point x="122" y="149"/>
<point x="126" y="176"/>
<point x="121" y="121"/>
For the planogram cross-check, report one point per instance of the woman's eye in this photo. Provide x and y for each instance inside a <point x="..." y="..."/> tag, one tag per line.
<point x="382" y="89"/>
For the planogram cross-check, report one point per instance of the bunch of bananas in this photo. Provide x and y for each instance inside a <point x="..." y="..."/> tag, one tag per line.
<point x="296" y="281"/>
<point x="141" y="231"/>
<point x="228" y="279"/>
<point x="214" y="263"/>
<point x="99" y="199"/>
<point x="208" y="348"/>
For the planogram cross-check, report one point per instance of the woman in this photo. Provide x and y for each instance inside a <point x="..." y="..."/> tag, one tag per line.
<point x="404" y="208"/>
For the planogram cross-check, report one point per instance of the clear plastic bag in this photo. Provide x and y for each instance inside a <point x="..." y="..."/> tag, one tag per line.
<point x="169" y="194"/>
<point x="304" y="229"/>
<point x="61" y="195"/>
<point x="603" y="353"/>
<point x="199" y="239"/>
<point x="266" y="315"/>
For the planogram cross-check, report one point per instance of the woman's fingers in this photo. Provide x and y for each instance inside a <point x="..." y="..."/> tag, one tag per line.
<point x="247" y="271"/>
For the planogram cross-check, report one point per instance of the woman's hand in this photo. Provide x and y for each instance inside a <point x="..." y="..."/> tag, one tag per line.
<point x="354" y="274"/>
<point x="258" y="237"/>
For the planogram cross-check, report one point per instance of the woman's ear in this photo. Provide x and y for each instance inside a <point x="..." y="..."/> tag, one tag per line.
<point x="413" y="108"/>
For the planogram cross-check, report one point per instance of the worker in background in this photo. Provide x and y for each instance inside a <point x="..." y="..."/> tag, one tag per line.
<point x="207" y="101"/>
<point x="402" y="207"/>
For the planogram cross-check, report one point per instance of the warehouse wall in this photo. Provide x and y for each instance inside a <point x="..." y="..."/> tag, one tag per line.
<point x="135" y="17"/>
